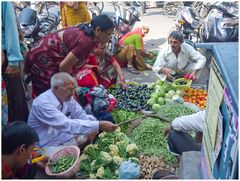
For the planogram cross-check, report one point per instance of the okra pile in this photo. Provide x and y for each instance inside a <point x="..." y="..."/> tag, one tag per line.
<point x="174" y="110"/>
<point x="134" y="98"/>
<point x="150" y="139"/>
<point x="62" y="164"/>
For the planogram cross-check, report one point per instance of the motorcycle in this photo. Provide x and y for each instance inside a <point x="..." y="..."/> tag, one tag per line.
<point x="124" y="20"/>
<point x="221" y="23"/>
<point x="189" y="23"/>
<point x="35" y="25"/>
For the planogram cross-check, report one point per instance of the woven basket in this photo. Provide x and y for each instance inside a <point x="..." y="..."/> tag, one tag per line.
<point x="69" y="150"/>
<point x="187" y="85"/>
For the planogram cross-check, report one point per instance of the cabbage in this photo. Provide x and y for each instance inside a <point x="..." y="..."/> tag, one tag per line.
<point x="179" y="92"/>
<point x="161" y="101"/>
<point x="156" y="107"/>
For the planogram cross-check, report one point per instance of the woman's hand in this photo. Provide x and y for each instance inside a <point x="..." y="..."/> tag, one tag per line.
<point x="122" y="82"/>
<point x="150" y="55"/>
<point x="12" y="70"/>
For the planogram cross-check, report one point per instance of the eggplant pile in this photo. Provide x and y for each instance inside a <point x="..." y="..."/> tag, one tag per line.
<point x="134" y="98"/>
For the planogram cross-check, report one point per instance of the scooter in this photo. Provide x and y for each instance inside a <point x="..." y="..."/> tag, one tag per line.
<point x="189" y="23"/>
<point x="221" y="24"/>
<point x="124" y="19"/>
<point x="34" y="25"/>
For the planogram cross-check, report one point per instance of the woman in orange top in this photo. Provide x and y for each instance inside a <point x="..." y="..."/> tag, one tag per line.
<point x="73" y="13"/>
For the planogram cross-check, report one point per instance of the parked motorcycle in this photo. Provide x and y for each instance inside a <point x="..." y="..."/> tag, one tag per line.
<point x="34" y="25"/>
<point x="189" y="23"/>
<point x="124" y="19"/>
<point x="221" y="24"/>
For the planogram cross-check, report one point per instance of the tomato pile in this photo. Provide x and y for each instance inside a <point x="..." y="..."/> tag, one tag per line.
<point x="196" y="96"/>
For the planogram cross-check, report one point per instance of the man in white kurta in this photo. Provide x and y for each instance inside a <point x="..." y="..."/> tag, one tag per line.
<point x="177" y="59"/>
<point x="59" y="119"/>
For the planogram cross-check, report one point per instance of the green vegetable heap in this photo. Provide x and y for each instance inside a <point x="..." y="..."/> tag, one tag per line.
<point x="102" y="160"/>
<point x="133" y="99"/>
<point x="62" y="164"/>
<point x="122" y="115"/>
<point x="150" y="139"/>
<point x="152" y="60"/>
<point x="174" y="110"/>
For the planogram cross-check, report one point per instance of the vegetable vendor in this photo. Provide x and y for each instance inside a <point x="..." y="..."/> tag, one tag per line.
<point x="178" y="59"/>
<point x="59" y="120"/>
<point x="131" y="51"/>
<point x="179" y="140"/>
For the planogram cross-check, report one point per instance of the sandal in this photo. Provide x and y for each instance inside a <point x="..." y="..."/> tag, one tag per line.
<point x="132" y="70"/>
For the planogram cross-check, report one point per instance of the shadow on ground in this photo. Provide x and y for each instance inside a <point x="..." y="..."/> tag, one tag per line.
<point x="153" y="44"/>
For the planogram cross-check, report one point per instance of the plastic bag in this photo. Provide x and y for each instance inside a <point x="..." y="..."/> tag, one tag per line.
<point x="129" y="170"/>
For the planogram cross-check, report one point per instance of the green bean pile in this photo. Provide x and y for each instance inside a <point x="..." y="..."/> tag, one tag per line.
<point x="62" y="164"/>
<point x="174" y="110"/>
<point x="123" y="115"/>
<point x="149" y="137"/>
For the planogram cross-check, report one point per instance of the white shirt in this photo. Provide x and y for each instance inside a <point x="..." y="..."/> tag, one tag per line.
<point x="56" y="123"/>
<point x="194" y="122"/>
<point x="188" y="59"/>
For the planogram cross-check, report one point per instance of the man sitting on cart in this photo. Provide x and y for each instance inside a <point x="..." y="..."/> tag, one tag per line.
<point x="178" y="59"/>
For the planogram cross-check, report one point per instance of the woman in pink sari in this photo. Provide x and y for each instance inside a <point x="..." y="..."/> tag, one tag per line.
<point x="66" y="50"/>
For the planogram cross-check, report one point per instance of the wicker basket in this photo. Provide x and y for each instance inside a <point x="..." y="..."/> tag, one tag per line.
<point x="69" y="150"/>
<point x="187" y="85"/>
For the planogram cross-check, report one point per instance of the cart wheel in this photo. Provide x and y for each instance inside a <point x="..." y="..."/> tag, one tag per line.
<point x="171" y="8"/>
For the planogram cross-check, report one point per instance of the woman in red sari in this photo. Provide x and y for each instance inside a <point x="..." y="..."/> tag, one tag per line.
<point x="66" y="50"/>
<point x="105" y="67"/>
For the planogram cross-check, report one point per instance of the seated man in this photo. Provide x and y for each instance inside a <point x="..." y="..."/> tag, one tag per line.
<point x="177" y="59"/>
<point x="59" y="119"/>
<point x="179" y="140"/>
<point x="18" y="141"/>
<point x="131" y="51"/>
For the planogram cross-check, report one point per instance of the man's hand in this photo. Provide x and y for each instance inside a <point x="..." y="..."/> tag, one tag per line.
<point x="92" y="136"/>
<point x="166" y="131"/>
<point x="12" y="70"/>
<point x="107" y="126"/>
<point x="167" y="71"/>
<point x="193" y="75"/>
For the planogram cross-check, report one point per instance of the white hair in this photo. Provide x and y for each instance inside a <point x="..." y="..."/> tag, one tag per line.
<point x="58" y="79"/>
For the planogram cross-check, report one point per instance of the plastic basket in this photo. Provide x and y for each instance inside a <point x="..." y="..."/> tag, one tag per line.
<point x="70" y="150"/>
<point x="187" y="85"/>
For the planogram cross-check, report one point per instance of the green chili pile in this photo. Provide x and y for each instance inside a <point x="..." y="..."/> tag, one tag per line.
<point x="62" y="164"/>
<point x="174" y="110"/>
<point x="150" y="139"/>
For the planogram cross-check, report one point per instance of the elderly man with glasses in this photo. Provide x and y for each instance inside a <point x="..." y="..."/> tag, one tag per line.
<point x="58" y="118"/>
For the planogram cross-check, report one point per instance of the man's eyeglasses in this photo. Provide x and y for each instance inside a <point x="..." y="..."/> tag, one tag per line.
<point x="69" y="90"/>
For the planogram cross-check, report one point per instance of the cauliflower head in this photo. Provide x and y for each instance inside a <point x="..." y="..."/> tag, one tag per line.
<point x="132" y="149"/>
<point x="92" y="164"/>
<point x="83" y="157"/>
<point x="100" y="172"/>
<point x="92" y="176"/>
<point x="106" y="156"/>
<point x="113" y="150"/>
<point x="102" y="135"/>
<point x="117" y="159"/>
